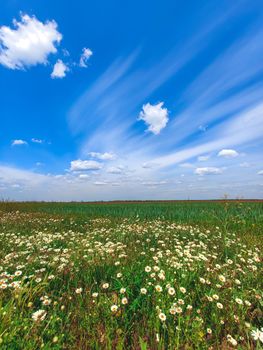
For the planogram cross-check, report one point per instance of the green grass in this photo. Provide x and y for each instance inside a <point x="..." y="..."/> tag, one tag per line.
<point x="201" y="255"/>
<point x="239" y="213"/>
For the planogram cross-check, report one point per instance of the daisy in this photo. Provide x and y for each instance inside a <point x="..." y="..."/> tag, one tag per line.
<point x="143" y="291"/>
<point x="39" y="315"/>
<point x="114" y="308"/>
<point x="171" y="291"/>
<point x="219" y="305"/>
<point x="158" y="288"/>
<point x="239" y="301"/>
<point x="162" y="317"/>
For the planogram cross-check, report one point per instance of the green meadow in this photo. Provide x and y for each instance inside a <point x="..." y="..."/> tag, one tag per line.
<point x="131" y="275"/>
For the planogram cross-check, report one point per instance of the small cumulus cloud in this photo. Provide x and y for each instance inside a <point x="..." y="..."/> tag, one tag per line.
<point x="115" y="169"/>
<point x="81" y="165"/>
<point x="228" y="153"/>
<point x="100" y="183"/>
<point x="37" y="140"/>
<point x="154" y="116"/>
<point x="203" y="158"/>
<point x="18" y="142"/>
<point x="208" y="171"/>
<point x="85" y="56"/>
<point x="260" y="172"/>
<point x="29" y="43"/>
<point x="59" y="70"/>
<point x="103" y="156"/>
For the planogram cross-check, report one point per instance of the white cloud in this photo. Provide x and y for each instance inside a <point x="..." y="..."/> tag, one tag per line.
<point x="59" y="70"/>
<point x="260" y="172"/>
<point x="10" y="175"/>
<point x="115" y="170"/>
<point x="203" y="158"/>
<point x="19" y="142"/>
<point x="29" y="43"/>
<point x="100" y="183"/>
<point x="37" y="140"/>
<point x="228" y="153"/>
<point x="208" y="171"/>
<point x="154" y="116"/>
<point x="68" y="187"/>
<point x="103" y="156"/>
<point x="240" y="129"/>
<point x="80" y="165"/>
<point x="85" y="56"/>
<point x="149" y="165"/>
<point x="83" y="176"/>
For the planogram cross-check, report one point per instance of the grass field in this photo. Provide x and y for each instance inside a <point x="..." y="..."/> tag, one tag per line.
<point x="150" y="275"/>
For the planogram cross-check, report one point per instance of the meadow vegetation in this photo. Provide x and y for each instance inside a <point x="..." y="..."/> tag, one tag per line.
<point x="152" y="275"/>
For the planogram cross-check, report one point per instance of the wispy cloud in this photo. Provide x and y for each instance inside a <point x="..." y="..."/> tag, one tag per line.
<point x="203" y="158"/>
<point x="20" y="184"/>
<point x="115" y="98"/>
<point x="34" y="140"/>
<point x="103" y="156"/>
<point x="82" y="165"/>
<point x="208" y="171"/>
<point x="85" y="56"/>
<point x="94" y="100"/>
<point x="240" y="129"/>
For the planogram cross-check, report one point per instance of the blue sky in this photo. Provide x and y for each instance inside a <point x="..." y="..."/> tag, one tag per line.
<point x="131" y="100"/>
